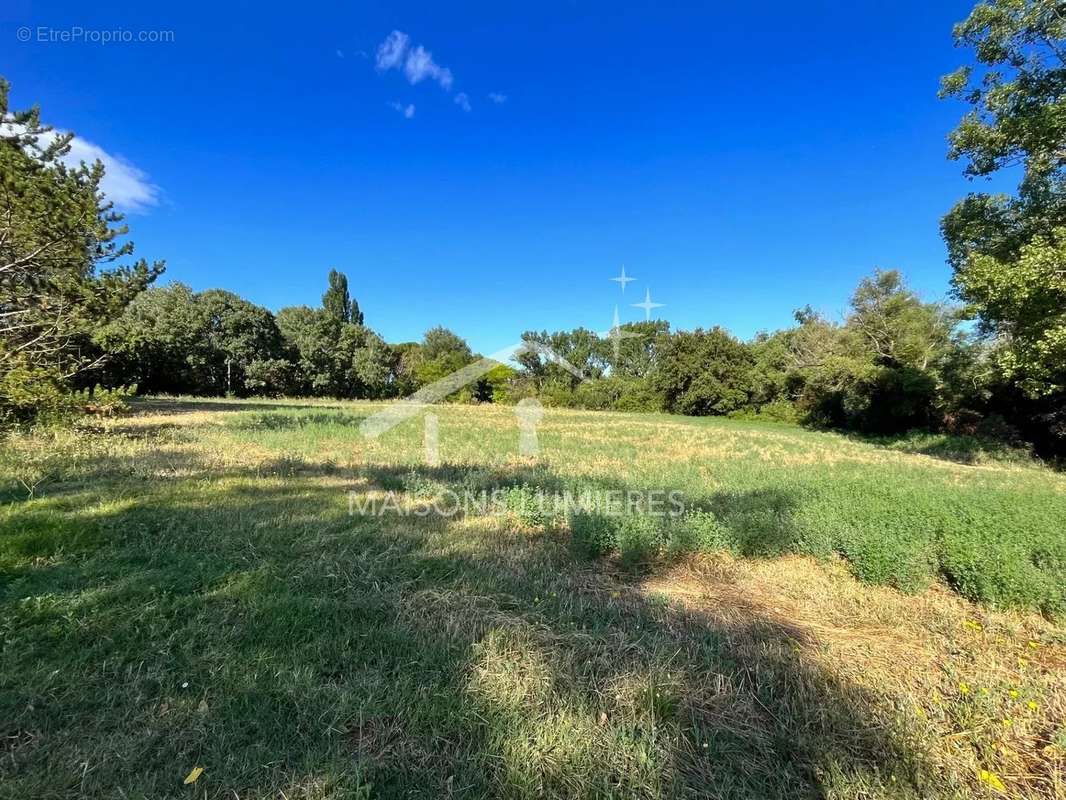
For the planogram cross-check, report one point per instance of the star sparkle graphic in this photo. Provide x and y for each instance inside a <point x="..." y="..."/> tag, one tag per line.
<point x="647" y="305"/>
<point x="616" y="334"/>
<point x="622" y="279"/>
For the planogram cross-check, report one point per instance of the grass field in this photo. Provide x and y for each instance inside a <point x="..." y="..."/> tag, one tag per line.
<point x="184" y="587"/>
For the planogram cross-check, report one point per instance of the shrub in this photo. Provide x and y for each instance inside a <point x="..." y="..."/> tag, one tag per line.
<point x="990" y="566"/>
<point x="640" y="538"/>
<point x="107" y="402"/>
<point x="528" y="505"/>
<point x="30" y="393"/>
<point x="593" y="533"/>
<point x="420" y="486"/>
<point x="775" y="411"/>
<point x="698" y="531"/>
<point x="905" y="562"/>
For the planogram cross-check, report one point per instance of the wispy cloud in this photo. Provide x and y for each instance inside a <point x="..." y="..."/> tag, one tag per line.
<point x="392" y="50"/>
<point x="497" y="97"/>
<point x="416" y="63"/>
<point x="408" y="110"/>
<point x="124" y="184"/>
<point x="340" y="54"/>
<point x="462" y="101"/>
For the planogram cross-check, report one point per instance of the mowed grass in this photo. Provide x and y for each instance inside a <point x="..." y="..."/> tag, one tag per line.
<point x="185" y="587"/>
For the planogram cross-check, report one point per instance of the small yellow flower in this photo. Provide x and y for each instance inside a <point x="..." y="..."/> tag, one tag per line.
<point x="1033" y="645"/>
<point x="991" y="779"/>
<point x="1023" y="662"/>
<point x="964" y="688"/>
<point x="1032" y="705"/>
<point x="1014" y="693"/>
<point x="974" y="626"/>
<point x="1007" y="723"/>
<point x="920" y="712"/>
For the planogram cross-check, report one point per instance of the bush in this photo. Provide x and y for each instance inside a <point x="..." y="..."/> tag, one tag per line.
<point x="990" y="566"/>
<point x="593" y="533"/>
<point x="30" y="393"/>
<point x="617" y="393"/>
<point x="528" y="505"/>
<point x="698" y="531"/>
<point x="640" y="539"/>
<point x="774" y="411"/>
<point x="906" y="563"/>
<point x="271" y="377"/>
<point x="106" y="402"/>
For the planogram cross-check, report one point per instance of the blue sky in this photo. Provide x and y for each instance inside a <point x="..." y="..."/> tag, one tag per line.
<point x="741" y="160"/>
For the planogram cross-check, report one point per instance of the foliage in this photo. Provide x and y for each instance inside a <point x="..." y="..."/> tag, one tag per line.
<point x="1026" y="299"/>
<point x="704" y="372"/>
<point x="1006" y="251"/>
<point x="442" y="352"/>
<point x="171" y="339"/>
<point x="585" y="355"/>
<point x="594" y="533"/>
<point x="337" y="303"/>
<point x="61" y="244"/>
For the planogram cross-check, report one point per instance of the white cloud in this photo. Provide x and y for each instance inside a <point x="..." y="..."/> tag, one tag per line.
<point x="417" y="63"/>
<point x="462" y="101"/>
<point x="392" y="50"/>
<point x="408" y="110"/>
<point x="420" y="65"/>
<point x="124" y="184"/>
<point x="340" y="54"/>
<point x="497" y="97"/>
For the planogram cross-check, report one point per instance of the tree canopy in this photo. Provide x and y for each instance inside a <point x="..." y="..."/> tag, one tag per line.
<point x="62" y="268"/>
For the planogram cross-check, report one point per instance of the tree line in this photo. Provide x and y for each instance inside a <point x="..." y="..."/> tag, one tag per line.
<point x="74" y="314"/>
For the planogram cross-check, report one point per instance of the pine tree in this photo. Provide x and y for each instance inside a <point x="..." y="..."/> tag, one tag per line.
<point x="60" y="244"/>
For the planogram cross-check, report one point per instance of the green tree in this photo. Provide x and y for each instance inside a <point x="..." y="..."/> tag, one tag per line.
<point x="170" y="339"/>
<point x="880" y="372"/>
<point x="442" y="352"/>
<point x="313" y="334"/>
<point x="159" y="342"/>
<point x="896" y="327"/>
<point x="338" y="303"/>
<point x="581" y="348"/>
<point x="704" y="372"/>
<point x="363" y="363"/>
<point x="238" y="334"/>
<point x="355" y="315"/>
<point x="1007" y="250"/>
<point x="637" y="355"/>
<point x="336" y="358"/>
<point x="61" y="244"/>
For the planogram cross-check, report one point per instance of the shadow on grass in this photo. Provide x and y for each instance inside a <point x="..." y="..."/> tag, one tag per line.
<point x="177" y="405"/>
<point x="261" y="632"/>
<point x="288" y="422"/>
<point x="958" y="448"/>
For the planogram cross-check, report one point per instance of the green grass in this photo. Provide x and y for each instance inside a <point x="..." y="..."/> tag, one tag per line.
<point x="187" y="588"/>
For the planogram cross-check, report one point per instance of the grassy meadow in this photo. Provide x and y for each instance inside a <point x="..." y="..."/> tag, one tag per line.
<point x="184" y="588"/>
